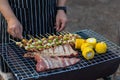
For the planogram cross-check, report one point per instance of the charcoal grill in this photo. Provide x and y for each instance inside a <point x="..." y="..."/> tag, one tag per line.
<point x="101" y="66"/>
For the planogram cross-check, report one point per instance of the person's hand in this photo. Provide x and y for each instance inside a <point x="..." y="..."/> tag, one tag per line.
<point x="15" y="28"/>
<point x="61" y="20"/>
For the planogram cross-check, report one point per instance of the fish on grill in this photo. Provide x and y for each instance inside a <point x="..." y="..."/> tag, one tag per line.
<point x="46" y="62"/>
<point x="60" y="51"/>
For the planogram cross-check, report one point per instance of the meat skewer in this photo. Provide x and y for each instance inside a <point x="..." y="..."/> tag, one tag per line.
<point x="17" y="43"/>
<point x="36" y="44"/>
<point x="59" y="51"/>
<point x="52" y="52"/>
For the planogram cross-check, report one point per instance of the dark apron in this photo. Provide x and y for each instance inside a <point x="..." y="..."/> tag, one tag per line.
<point x="36" y="16"/>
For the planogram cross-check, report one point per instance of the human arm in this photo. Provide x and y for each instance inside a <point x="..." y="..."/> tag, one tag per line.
<point x="14" y="27"/>
<point x="61" y="17"/>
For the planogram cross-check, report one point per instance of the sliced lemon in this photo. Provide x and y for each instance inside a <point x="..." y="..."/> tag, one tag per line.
<point x="88" y="53"/>
<point x="101" y="47"/>
<point x="92" y="41"/>
<point x="78" y="43"/>
<point x="84" y="45"/>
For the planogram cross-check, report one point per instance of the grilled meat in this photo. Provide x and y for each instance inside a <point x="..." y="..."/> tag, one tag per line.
<point x="60" y="51"/>
<point x="29" y="55"/>
<point x="52" y="52"/>
<point x="47" y="62"/>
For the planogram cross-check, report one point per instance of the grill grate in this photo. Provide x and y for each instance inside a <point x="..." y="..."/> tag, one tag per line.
<point x="24" y="68"/>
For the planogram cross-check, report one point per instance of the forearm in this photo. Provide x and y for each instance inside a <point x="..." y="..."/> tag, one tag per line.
<point x="61" y="2"/>
<point x="6" y="10"/>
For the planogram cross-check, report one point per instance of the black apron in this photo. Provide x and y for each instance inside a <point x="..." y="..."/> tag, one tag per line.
<point x="36" y="16"/>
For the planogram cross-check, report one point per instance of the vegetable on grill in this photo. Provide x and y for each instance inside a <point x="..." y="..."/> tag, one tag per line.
<point x="88" y="53"/>
<point x="51" y="52"/>
<point x="78" y="43"/>
<point x="101" y="47"/>
<point x="35" y="44"/>
<point x="89" y="45"/>
<point x="92" y="41"/>
<point x="84" y="45"/>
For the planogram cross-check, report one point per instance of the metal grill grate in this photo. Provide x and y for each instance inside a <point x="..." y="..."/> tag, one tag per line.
<point x="24" y="68"/>
<point x="113" y="51"/>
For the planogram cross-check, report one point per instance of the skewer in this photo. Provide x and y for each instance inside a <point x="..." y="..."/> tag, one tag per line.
<point x="48" y="34"/>
<point x="62" y="33"/>
<point x="57" y="33"/>
<point x="38" y="37"/>
<point x="30" y="36"/>
<point x="52" y="34"/>
<point x="42" y="36"/>
<point x="13" y="40"/>
<point x="17" y="43"/>
<point x="66" y="32"/>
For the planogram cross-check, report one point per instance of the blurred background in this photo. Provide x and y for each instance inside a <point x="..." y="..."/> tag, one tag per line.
<point x="102" y="16"/>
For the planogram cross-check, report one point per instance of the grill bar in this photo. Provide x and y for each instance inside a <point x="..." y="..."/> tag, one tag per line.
<point x="24" y="68"/>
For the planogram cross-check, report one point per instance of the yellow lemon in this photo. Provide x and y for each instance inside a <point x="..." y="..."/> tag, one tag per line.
<point x="84" y="45"/>
<point x="88" y="53"/>
<point x="101" y="47"/>
<point x="92" y="41"/>
<point x="78" y="43"/>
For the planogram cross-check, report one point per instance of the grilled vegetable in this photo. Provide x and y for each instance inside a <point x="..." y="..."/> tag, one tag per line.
<point x="84" y="45"/>
<point x="24" y="41"/>
<point x="40" y="47"/>
<point x="27" y="48"/>
<point x="78" y="43"/>
<point x="51" y="37"/>
<point x="88" y="53"/>
<point x="39" y="42"/>
<point x="51" y="41"/>
<point x="101" y="47"/>
<point x="19" y="44"/>
<point x="30" y="41"/>
<point x="92" y="41"/>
